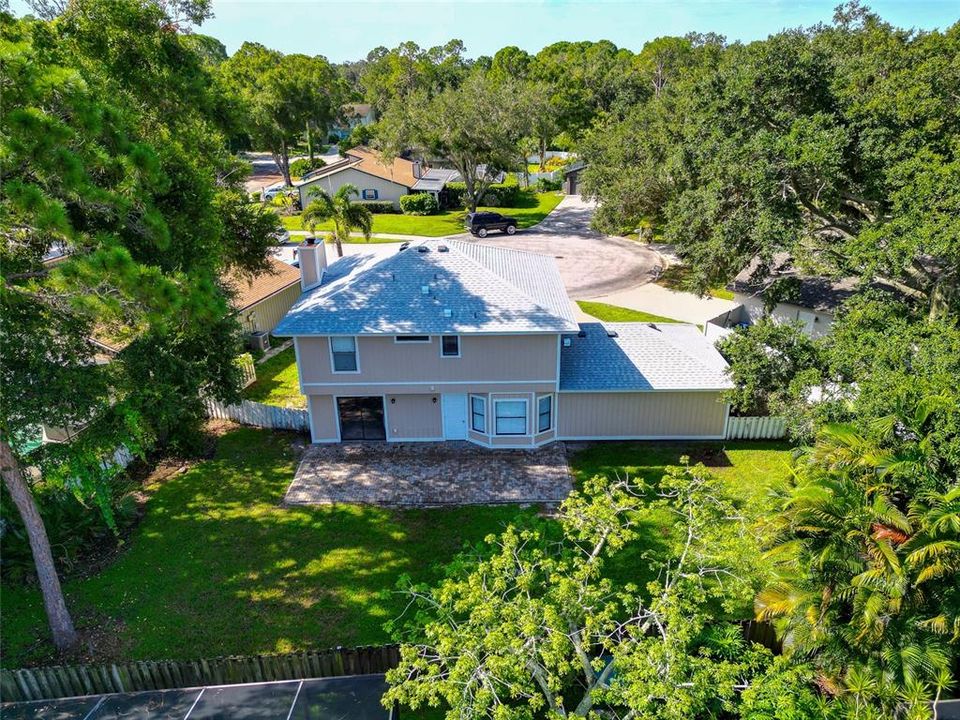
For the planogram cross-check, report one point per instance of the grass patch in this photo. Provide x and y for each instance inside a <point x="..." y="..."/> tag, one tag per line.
<point x="447" y="222"/>
<point x="278" y="382"/>
<point x="615" y="313"/>
<point x="675" y="278"/>
<point x="218" y="567"/>
<point x="747" y="469"/>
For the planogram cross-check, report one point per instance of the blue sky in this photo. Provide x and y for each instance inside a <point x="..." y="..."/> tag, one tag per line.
<point x="348" y="30"/>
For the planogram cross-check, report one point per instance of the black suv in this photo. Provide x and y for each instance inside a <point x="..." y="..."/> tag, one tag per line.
<point x="480" y="223"/>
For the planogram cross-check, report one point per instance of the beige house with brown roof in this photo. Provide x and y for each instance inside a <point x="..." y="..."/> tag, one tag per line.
<point x="261" y="301"/>
<point x="375" y="177"/>
<point x="455" y="340"/>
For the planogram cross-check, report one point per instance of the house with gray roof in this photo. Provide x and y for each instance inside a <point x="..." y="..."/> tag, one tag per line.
<point x="778" y="288"/>
<point x="458" y="340"/>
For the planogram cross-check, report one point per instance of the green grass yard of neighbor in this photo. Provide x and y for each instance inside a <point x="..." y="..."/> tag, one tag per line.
<point x="447" y="222"/>
<point x="615" y="313"/>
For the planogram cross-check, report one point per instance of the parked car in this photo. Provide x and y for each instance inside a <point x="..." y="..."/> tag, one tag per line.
<point x="280" y="236"/>
<point x="271" y="191"/>
<point x="481" y="223"/>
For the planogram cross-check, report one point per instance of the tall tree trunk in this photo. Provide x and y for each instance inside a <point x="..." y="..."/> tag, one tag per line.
<point x="543" y="154"/>
<point x="310" y="143"/>
<point x="61" y="624"/>
<point x="284" y="162"/>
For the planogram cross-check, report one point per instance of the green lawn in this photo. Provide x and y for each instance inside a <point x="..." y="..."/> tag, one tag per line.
<point x="277" y="382"/>
<point x="218" y="567"/>
<point x="747" y="469"/>
<point x="448" y="222"/>
<point x="615" y="313"/>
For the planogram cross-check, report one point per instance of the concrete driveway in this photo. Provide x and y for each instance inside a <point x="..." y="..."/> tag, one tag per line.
<point x="590" y="263"/>
<point x="429" y="475"/>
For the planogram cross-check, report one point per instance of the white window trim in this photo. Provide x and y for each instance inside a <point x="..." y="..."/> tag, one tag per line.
<point x="526" y="417"/>
<point x="553" y="407"/>
<point x="398" y="341"/>
<point x="459" y="351"/>
<point x="356" y="352"/>
<point x="482" y="399"/>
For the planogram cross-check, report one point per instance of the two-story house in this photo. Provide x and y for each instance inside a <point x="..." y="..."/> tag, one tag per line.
<point x="453" y="340"/>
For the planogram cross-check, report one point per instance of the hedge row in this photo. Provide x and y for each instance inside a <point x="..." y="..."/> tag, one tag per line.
<point x="378" y="207"/>
<point x="419" y="204"/>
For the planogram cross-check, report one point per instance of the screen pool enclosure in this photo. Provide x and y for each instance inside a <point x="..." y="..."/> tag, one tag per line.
<point x="355" y="697"/>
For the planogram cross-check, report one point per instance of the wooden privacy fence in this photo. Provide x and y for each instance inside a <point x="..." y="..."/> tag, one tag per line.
<point x="59" y="681"/>
<point x="756" y="428"/>
<point x="248" y="412"/>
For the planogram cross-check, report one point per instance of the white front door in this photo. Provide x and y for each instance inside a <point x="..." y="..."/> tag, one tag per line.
<point x="454" y="416"/>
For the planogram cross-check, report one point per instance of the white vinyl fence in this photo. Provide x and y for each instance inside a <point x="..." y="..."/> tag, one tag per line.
<point x="756" y="428"/>
<point x="247" y="412"/>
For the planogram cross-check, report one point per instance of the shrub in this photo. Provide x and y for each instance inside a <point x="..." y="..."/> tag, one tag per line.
<point x="378" y="207"/>
<point x="74" y="525"/>
<point x="497" y="195"/>
<point x="299" y="168"/>
<point x="419" y="204"/>
<point x="547" y="185"/>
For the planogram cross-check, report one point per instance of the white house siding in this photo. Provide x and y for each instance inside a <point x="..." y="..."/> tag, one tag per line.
<point x="641" y="415"/>
<point x="816" y="322"/>
<point x="386" y="190"/>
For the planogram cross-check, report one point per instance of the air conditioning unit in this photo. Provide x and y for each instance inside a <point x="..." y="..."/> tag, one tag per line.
<point x="259" y="341"/>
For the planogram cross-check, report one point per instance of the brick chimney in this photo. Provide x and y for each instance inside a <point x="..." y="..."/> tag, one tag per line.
<point x="313" y="261"/>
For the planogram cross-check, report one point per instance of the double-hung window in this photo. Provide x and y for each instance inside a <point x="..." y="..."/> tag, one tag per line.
<point x="544" y="413"/>
<point x="450" y="346"/>
<point x="478" y="413"/>
<point x="510" y="417"/>
<point x="344" y="353"/>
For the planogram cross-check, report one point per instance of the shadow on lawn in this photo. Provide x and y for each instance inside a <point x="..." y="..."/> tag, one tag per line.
<point x="218" y="567"/>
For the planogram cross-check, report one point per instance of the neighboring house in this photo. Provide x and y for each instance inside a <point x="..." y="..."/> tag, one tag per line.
<point x="351" y="116"/>
<point x="379" y="179"/>
<point x="374" y="177"/>
<point x="790" y="296"/>
<point x="452" y="340"/>
<point x="261" y="301"/>
<point x="571" y="177"/>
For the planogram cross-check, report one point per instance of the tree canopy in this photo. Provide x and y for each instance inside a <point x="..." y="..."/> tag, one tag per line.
<point x="836" y="144"/>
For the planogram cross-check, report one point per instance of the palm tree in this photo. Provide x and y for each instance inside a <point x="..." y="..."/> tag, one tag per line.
<point x="346" y="216"/>
<point x="869" y="545"/>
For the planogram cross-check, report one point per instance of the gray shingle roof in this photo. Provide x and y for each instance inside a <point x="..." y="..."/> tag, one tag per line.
<point x="643" y="356"/>
<point x="471" y="288"/>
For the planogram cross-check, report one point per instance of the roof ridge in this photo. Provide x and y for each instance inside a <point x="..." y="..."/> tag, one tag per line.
<point x="500" y="277"/>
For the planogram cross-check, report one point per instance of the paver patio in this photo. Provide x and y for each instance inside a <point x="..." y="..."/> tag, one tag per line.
<point x="429" y="475"/>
